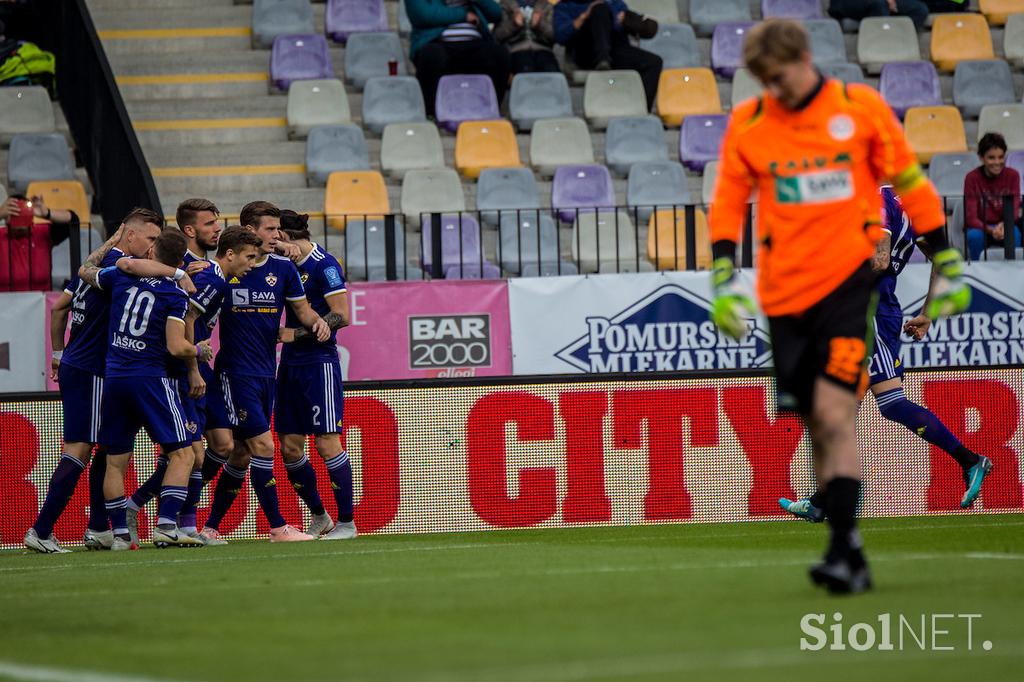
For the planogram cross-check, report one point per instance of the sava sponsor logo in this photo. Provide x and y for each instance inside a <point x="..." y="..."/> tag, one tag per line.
<point x="667" y="330"/>
<point x="247" y="297"/>
<point x="128" y="343"/>
<point x="991" y="332"/>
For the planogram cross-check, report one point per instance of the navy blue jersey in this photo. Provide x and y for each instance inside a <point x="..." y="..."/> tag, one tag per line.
<point x="139" y="310"/>
<point x="90" y="315"/>
<point x="210" y="288"/>
<point x="322" y="277"/>
<point x="251" y="316"/>
<point x="177" y="369"/>
<point x="897" y="224"/>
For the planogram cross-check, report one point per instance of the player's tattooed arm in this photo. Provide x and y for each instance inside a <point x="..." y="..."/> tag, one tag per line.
<point x="335" y="319"/>
<point x="58" y="326"/>
<point x="91" y="266"/>
<point x="880" y="259"/>
<point x="312" y="322"/>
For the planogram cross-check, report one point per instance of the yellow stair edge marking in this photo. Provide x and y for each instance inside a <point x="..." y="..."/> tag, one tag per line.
<point x="191" y="171"/>
<point x="186" y="78"/>
<point x="172" y="33"/>
<point x="201" y="123"/>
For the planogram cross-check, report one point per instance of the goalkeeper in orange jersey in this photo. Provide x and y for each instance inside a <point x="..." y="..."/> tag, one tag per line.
<point x="816" y="151"/>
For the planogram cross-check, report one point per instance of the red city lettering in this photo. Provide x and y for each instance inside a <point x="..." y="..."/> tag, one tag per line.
<point x="381" y="489"/>
<point x="586" y="500"/>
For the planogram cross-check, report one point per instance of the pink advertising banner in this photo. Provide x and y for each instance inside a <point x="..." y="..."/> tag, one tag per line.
<point x="412" y="330"/>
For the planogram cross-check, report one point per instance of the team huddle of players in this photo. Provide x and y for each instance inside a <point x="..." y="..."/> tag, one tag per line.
<point x="142" y="311"/>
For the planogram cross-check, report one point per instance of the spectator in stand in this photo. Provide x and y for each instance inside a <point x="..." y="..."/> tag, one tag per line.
<point x="30" y="233"/>
<point x="937" y="6"/>
<point x="451" y="36"/>
<point x="917" y="10"/>
<point x="596" y="35"/>
<point x="527" y="30"/>
<point x="984" y="189"/>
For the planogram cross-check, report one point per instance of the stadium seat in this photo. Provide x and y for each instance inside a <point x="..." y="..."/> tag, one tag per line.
<point x="1013" y="40"/>
<point x="959" y="37"/>
<point x="367" y="56"/>
<point x="682" y="92"/>
<point x="527" y="238"/>
<point x="632" y="139"/>
<point x="705" y="15"/>
<point x="707" y="182"/>
<point x="485" y="144"/>
<point x="827" y="43"/>
<point x="700" y="139"/>
<point x="60" y="256"/>
<point x="613" y="93"/>
<point x="998" y="11"/>
<point x="947" y="171"/>
<point x="666" y="239"/>
<point x="559" y="142"/>
<point x="273" y="18"/>
<point x="676" y="44"/>
<point x="744" y="86"/>
<point x="365" y="254"/>
<point x="410" y="146"/>
<point x="316" y="103"/>
<point x="581" y="187"/>
<point x="299" y="58"/>
<point x="844" y="71"/>
<point x="654" y="184"/>
<point x="434" y="190"/>
<point x="538" y="95"/>
<point x="465" y="98"/>
<point x="404" y="25"/>
<point x="461" y="248"/>
<point x="335" y="148"/>
<point x="604" y="241"/>
<point x="881" y="40"/>
<point x="392" y="100"/>
<point x="501" y="191"/>
<point x="932" y="130"/>
<point x="662" y="11"/>
<point x="355" y="193"/>
<point x="562" y="267"/>
<point x="727" y="47"/>
<point x="1006" y="119"/>
<point x="64" y="194"/>
<point x="345" y="17"/>
<point x="38" y="157"/>
<point x="978" y="83"/>
<point x="910" y="84"/>
<point x="791" y="9"/>
<point x="25" y="109"/>
<point x="1015" y="160"/>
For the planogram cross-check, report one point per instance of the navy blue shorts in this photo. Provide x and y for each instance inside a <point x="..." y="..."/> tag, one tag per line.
<point x="81" y="395"/>
<point x="309" y="399"/>
<point x="216" y="413"/>
<point x="249" y="402"/>
<point x="190" y="410"/>
<point x="132" y="403"/>
<point x="885" y="363"/>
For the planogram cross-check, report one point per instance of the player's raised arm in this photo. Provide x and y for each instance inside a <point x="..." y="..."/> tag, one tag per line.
<point x="178" y="344"/>
<point x="90" y="268"/>
<point x="58" y="328"/>
<point x="310" y="320"/>
<point x="145" y="267"/>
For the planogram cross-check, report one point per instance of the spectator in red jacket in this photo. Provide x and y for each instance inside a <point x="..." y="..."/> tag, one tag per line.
<point x="984" y="189"/>
<point x="26" y="240"/>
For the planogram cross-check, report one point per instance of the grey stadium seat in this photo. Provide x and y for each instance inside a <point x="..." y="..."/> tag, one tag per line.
<point x="886" y="39"/>
<point x="827" y="43"/>
<point x="272" y="18"/>
<point x="844" y="71"/>
<point x="367" y="56"/>
<point x="364" y="250"/>
<point x="314" y="103"/>
<point x="632" y="139"/>
<point x="395" y="99"/>
<point x="505" y="189"/>
<point x="744" y="86"/>
<point x="528" y="238"/>
<point x="410" y="146"/>
<point x="652" y="184"/>
<point x="676" y="44"/>
<point x="538" y="95"/>
<point x="558" y="142"/>
<point x="437" y="190"/>
<point x="404" y="25"/>
<point x="562" y="267"/>
<point x="1013" y="39"/>
<point x="60" y="270"/>
<point x="25" y="109"/>
<point x="604" y="241"/>
<point x="38" y="157"/>
<point x="613" y="93"/>
<point x="977" y="83"/>
<point x="662" y="11"/>
<point x="1007" y="119"/>
<point x="335" y="148"/>
<point x="705" y="14"/>
<point x="947" y="171"/>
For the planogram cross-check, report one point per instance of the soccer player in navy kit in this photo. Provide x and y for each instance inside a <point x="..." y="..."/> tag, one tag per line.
<point x="885" y="368"/>
<point x="245" y="368"/>
<point x="78" y="368"/>
<point x="309" y="395"/>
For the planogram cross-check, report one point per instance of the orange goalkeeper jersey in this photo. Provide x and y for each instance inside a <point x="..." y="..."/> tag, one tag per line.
<point x="817" y="172"/>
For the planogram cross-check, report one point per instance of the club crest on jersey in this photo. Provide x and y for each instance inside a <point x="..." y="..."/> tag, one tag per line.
<point x="242" y="415"/>
<point x="191" y="426"/>
<point x="271" y="279"/>
<point x="304" y="277"/>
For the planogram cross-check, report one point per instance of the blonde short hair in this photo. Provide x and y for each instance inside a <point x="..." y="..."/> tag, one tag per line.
<point x="782" y="41"/>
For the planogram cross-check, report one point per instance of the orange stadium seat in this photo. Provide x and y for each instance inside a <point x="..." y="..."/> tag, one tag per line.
<point x="959" y="37"/>
<point x="997" y="11"/>
<point x="934" y="130"/>
<point x="65" y="194"/>
<point x="682" y="92"/>
<point x="485" y="144"/>
<point x="354" y="193"/>
<point x="666" y="239"/>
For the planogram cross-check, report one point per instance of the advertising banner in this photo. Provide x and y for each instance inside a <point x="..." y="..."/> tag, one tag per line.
<point x="562" y="453"/>
<point x="22" y="352"/>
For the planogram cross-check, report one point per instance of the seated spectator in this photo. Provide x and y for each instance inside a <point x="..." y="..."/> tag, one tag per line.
<point x="23" y="63"/>
<point x="451" y="36"/>
<point x="917" y="10"/>
<point x="937" y="6"/>
<point x="25" y="243"/>
<point x="595" y="38"/>
<point x="526" y="29"/>
<point x="984" y="189"/>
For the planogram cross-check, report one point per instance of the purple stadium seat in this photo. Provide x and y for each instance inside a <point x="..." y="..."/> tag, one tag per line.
<point x="465" y="98"/>
<point x="727" y="47"/>
<point x="585" y="186"/>
<point x="791" y="9"/>
<point x="299" y="58"/>
<point x="910" y="84"/>
<point x="1015" y="160"/>
<point x="700" y="140"/>
<point x="343" y="17"/>
<point x="460" y="248"/>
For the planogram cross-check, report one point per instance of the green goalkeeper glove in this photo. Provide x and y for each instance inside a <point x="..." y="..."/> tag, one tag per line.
<point x="731" y="304"/>
<point x="950" y="294"/>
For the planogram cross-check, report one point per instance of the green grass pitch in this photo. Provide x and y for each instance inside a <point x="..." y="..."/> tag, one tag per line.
<point x="668" y="602"/>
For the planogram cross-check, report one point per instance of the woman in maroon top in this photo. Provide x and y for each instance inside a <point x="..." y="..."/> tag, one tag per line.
<point x="984" y="189"/>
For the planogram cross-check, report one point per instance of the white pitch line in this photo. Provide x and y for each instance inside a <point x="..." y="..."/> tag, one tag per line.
<point x="993" y="555"/>
<point x="38" y="673"/>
